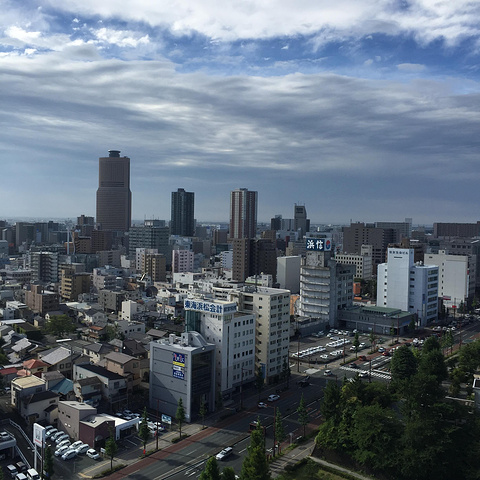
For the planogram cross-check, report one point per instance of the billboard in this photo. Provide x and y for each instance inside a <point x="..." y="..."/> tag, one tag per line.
<point x="201" y="306"/>
<point x="38" y="435"/>
<point x="318" y="244"/>
<point x="178" y="365"/>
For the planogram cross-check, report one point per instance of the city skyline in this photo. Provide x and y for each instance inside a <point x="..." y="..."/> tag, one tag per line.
<point x="359" y="112"/>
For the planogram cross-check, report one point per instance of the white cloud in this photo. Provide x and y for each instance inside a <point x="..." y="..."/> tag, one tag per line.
<point x="426" y="19"/>
<point x="121" y="38"/>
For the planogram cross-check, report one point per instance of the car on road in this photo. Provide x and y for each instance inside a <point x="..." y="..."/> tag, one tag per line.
<point x="353" y="365"/>
<point x="381" y="349"/>
<point x="273" y="397"/>
<point x="69" y="454"/>
<point x="363" y="358"/>
<point x="262" y="405"/>
<point x="4" y="437"/>
<point x="363" y="374"/>
<point x="92" y="453"/>
<point x="327" y="373"/>
<point x="226" y="452"/>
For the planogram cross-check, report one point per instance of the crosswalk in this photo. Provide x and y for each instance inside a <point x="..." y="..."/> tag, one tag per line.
<point x="373" y="373"/>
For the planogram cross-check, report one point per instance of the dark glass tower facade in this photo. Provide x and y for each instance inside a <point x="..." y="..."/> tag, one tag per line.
<point x="183" y="217"/>
<point x="114" y="198"/>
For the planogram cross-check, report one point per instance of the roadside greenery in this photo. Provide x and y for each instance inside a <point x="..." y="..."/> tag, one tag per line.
<point x="408" y="429"/>
<point x="111" y="448"/>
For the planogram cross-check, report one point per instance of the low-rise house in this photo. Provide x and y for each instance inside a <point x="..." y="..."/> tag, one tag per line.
<point x="35" y="367"/>
<point x="125" y="365"/>
<point x="97" y="351"/>
<point x="114" y="386"/>
<point x="88" y="390"/>
<point x="39" y="408"/>
<point x="70" y="414"/>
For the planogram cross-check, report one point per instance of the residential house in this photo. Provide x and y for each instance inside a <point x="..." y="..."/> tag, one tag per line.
<point x="125" y="365"/>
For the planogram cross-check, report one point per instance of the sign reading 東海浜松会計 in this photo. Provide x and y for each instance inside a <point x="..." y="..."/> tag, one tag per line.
<point x="318" y="244"/>
<point x="200" y="306"/>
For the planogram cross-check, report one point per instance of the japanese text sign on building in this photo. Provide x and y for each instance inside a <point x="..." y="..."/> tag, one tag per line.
<point x="178" y="365"/>
<point x="201" y="306"/>
<point x="319" y="244"/>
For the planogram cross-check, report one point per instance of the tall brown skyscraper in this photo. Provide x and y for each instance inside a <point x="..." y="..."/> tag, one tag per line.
<point x="114" y="198"/>
<point x="243" y="213"/>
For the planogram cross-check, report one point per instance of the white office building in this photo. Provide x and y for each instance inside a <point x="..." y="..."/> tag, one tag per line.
<point x="288" y="273"/>
<point x="271" y="307"/>
<point x="325" y="287"/>
<point x="456" y="281"/>
<point x="232" y="333"/>
<point x="408" y="286"/>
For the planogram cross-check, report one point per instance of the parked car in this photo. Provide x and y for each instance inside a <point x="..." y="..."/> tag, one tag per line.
<point x="76" y="444"/>
<point x="273" y="397"/>
<point x="21" y="467"/>
<point x="60" y="451"/>
<point x="12" y="470"/>
<point x="82" y="449"/>
<point x="224" y="453"/>
<point x="69" y="454"/>
<point x="51" y="432"/>
<point x="92" y="453"/>
<point x="56" y="435"/>
<point x="20" y="476"/>
<point x="262" y="405"/>
<point x="63" y="443"/>
<point x="62" y="438"/>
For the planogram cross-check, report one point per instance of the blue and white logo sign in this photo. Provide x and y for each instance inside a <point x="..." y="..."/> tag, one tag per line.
<point x="319" y="244"/>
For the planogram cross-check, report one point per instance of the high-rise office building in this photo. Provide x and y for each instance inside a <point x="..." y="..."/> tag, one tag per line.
<point x="183" y="220"/>
<point x="302" y="223"/>
<point x="243" y="213"/>
<point x="114" y="198"/>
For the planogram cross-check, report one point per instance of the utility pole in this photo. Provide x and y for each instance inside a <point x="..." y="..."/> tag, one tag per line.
<point x="241" y="392"/>
<point x="158" y="405"/>
<point x="274" y="429"/>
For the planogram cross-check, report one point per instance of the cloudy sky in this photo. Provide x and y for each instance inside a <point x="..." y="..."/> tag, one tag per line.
<point x="364" y="110"/>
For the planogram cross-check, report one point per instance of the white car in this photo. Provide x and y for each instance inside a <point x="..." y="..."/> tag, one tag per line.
<point x="62" y="438"/>
<point x="56" y="435"/>
<point x="273" y="397"/>
<point x="82" y="449"/>
<point x="51" y="432"/>
<point x="77" y="444"/>
<point x="63" y="444"/>
<point x="92" y="453"/>
<point x="60" y="451"/>
<point x="69" y="454"/>
<point x="224" y="453"/>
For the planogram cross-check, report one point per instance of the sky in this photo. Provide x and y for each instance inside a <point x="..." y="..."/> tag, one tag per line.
<point x="360" y="110"/>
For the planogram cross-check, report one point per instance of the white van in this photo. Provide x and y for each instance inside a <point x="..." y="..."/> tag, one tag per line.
<point x="32" y="474"/>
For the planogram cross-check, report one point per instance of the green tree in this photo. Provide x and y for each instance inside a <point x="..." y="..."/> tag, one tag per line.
<point x="180" y="415"/>
<point x="411" y="325"/>
<point x="433" y="363"/>
<point x="255" y="465"/>
<point x="59" y="325"/>
<point x="279" y="429"/>
<point x="228" y="473"/>
<point x="403" y="366"/>
<point x="375" y="435"/>
<point x="111" y="448"/>
<point x="203" y="411"/>
<point x="331" y="405"/>
<point x="211" y="470"/>
<point x="48" y="465"/>
<point x="448" y="340"/>
<point x="259" y="382"/>
<point x="302" y="412"/>
<point x="144" y="431"/>
<point x="431" y="343"/>
<point x="372" y="338"/>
